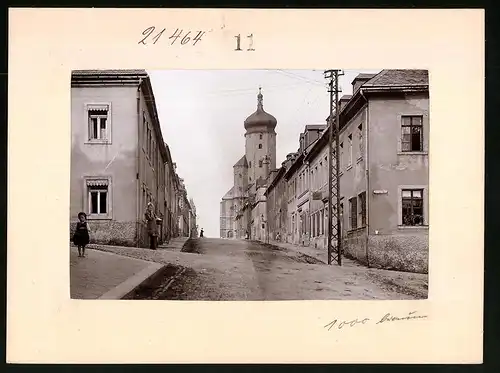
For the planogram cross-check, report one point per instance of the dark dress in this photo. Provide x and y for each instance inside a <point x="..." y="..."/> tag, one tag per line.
<point x="81" y="236"/>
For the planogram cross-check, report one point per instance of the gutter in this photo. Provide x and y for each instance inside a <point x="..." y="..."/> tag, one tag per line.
<point x="367" y="172"/>
<point x="137" y="165"/>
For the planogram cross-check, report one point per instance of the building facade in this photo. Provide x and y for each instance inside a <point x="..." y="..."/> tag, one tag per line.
<point x="118" y="156"/>
<point x="384" y="203"/>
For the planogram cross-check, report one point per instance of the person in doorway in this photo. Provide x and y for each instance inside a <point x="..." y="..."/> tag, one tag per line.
<point x="246" y="235"/>
<point x="201" y="232"/>
<point x="81" y="238"/>
<point x="151" y="225"/>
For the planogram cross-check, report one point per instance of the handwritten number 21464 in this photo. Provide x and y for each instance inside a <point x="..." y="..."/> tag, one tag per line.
<point x="176" y="35"/>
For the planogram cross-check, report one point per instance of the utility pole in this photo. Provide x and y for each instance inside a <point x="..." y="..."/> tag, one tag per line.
<point x="334" y="219"/>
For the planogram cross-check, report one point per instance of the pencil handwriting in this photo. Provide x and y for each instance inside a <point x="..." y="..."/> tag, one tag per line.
<point x="340" y="324"/>
<point x="179" y="36"/>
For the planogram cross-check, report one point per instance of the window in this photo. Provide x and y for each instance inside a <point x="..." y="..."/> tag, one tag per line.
<point x="353" y="207"/>
<point x="411" y="134"/>
<point x="360" y="141"/>
<point x="260" y="164"/>
<point x="260" y="146"/>
<point x="98" y="118"/>
<point x="350" y="149"/>
<point x="150" y="144"/>
<point x="341" y="156"/>
<point x="98" y="201"/>
<point x="250" y="164"/>
<point x="413" y="207"/>
<point x="263" y="226"/>
<point x="260" y="136"/>
<point x="144" y="130"/>
<point x="342" y="222"/>
<point x="362" y="211"/>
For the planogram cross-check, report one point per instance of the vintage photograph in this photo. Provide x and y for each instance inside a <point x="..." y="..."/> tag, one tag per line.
<point x="217" y="184"/>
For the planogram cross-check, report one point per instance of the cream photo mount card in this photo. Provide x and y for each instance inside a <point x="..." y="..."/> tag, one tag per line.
<point x="140" y="179"/>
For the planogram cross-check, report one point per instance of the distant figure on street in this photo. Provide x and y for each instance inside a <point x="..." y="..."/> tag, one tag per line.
<point x="81" y="238"/>
<point x="246" y="235"/>
<point x="201" y="232"/>
<point x="278" y="236"/>
<point x="151" y="225"/>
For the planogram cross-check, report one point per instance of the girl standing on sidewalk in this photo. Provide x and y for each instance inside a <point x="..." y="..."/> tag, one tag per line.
<point x="81" y="237"/>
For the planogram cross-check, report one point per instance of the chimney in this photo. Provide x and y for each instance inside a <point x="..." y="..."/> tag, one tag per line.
<point x="360" y="80"/>
<point x="343" y="101"/>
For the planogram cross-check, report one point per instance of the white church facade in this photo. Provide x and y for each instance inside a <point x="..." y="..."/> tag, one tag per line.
<point x="250" y="173"/>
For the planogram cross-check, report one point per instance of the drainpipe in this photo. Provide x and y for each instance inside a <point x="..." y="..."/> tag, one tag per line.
<point x="367" y="173"/>
<point x="137" y="167"/>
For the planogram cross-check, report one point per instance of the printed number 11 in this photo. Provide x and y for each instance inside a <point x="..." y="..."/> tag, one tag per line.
<point x="238" y="42"/>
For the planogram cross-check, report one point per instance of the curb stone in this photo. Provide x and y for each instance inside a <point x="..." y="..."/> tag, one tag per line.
<point x="132" y="283"/>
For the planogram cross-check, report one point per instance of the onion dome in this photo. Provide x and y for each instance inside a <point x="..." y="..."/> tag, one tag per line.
<point x="260" y="118"/>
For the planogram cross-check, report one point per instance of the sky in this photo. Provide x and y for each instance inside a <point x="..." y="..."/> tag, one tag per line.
<point x="202" y="112"/>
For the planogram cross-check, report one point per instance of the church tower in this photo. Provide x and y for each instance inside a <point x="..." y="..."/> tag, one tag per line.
<point x="260" y="142"/>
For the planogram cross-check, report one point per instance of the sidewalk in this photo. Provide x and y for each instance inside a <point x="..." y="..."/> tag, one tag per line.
<point x="105" y="275"/>
<point x="176" y="243"/>
<point x="319" y="254"/>
<point x="410" y="283"/>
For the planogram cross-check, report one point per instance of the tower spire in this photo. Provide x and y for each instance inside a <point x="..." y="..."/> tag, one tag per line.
<point x="260" y="98"/>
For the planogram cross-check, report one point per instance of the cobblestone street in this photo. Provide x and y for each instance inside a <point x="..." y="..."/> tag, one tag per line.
<point x="219" y="269"/>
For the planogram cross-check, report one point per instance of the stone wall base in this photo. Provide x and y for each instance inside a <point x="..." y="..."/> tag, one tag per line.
<point x="354" y="246"/>
<point x="401" y="252"/>
<point x="408" y="252"/>
<point x="108" y="232"/>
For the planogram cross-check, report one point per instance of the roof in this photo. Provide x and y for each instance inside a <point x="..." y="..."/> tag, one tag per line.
<point x="408" y="80"/>
<point x="260" y="118"/>
<point x="397" y="78"/>
<point x="363" y="76"/>
<point x="296" y="163"/>
<point x="110" y="72"/>
<point x="242" y="162"/>
<point x="260" y="182"/>
<point x="229" y="194"/>
<point x="279" y="175"/>
<point x="132" y="77"/>
<point x="312" y="127"/>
